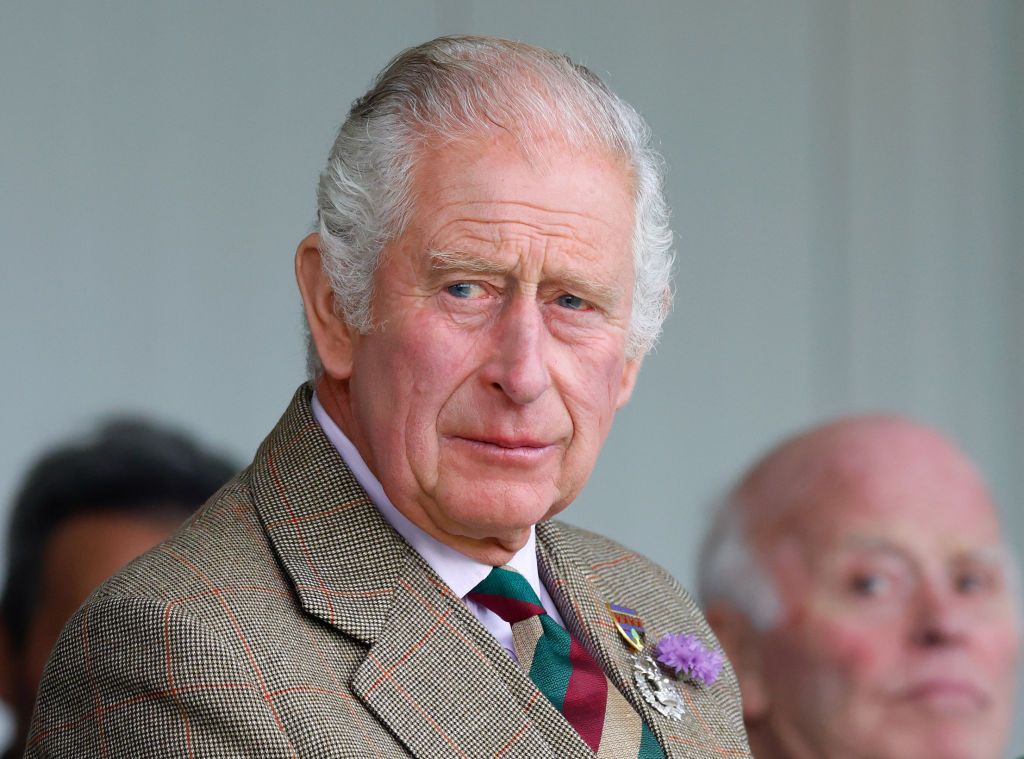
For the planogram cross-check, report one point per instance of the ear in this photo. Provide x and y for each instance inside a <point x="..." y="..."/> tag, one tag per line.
<point x="331" y="333"/>
<point x="742" y="645"/>
<point x="629" y="375"/>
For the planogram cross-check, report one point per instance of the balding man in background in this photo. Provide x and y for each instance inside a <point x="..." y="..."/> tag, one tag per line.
<point x="858" y="580"/>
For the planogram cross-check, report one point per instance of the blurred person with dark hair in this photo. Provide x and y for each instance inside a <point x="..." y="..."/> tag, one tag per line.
<point x="859" y="581"/>
<point x="85" y="509"/>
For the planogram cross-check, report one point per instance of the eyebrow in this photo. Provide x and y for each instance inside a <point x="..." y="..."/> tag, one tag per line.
<point x="460" y="261"/>
<point x="861" y="543"/>
<point x="996" y="554"/>
<point x="453" y="260"/>
<point x="993" y="554"/>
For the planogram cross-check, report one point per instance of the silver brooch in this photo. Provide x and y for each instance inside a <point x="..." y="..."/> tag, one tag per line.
<point x="657" y="690"/>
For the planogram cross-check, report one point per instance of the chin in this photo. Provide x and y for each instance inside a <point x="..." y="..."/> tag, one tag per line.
<point x="942" y="744"/>
<point x="506" y="519"/>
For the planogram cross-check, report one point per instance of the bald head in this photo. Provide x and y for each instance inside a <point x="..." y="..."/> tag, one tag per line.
<point x="864" y="466"/>
<point x="892" y="630"/>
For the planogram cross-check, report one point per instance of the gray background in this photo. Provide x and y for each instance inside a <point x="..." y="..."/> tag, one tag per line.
<point x="847" y="181"/>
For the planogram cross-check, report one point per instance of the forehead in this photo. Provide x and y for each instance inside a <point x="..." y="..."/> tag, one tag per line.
<point x="555" y="190"/>
<point x="899" y="484"/>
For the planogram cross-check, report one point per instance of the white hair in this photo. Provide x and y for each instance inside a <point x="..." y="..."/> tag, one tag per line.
<point x="729" y="572"/>
<point x="457" y="88"/>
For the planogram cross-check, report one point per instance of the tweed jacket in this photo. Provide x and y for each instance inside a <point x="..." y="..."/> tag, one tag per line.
<point x="288" y="619"/>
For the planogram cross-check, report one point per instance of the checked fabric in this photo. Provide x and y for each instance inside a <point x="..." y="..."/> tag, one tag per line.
<point x="564" y="671"/>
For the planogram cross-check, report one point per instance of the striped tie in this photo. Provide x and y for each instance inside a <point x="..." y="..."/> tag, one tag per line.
<point x="564" y="671"/>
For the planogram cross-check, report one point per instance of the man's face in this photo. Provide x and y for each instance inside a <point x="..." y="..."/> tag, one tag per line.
<point x="483" y="397"/>
<point x="902" y="634"/>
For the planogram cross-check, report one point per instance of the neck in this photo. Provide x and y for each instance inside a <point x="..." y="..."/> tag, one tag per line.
<point x="335" y="398"/>
<point x="487" y="551"/>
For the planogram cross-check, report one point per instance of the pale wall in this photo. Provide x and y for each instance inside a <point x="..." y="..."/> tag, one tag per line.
<point x="845" y="178"/>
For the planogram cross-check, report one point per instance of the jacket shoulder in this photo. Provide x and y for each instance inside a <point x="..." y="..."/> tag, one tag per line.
<point x="131" y="676"/>
<point x="222" y="544"/>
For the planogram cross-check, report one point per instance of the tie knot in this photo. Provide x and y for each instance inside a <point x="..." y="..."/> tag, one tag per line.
<point x="508" y="594"/>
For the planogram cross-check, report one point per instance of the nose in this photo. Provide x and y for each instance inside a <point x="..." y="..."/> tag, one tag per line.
<point x="942" y="617"/>
<point x="519" y="364"/>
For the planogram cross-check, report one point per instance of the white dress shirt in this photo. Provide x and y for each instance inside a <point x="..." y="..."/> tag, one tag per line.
<point x="457" y="570"/>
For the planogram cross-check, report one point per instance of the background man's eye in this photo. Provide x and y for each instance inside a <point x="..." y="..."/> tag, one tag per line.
<point x="572" y="301"/>
<point x="869" y="585"/>
<point x="970" y="582"/>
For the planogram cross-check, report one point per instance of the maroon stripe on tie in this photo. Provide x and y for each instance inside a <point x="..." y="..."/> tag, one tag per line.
<point x="512" y="610"/>
<point x="586" y="696"/>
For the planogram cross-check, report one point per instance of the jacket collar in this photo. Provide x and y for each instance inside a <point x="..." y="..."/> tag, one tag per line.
<point x="342" y="557"/>
<point x="427" y="656"/>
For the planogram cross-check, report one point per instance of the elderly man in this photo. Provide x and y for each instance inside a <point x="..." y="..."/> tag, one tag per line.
<point x="491" y="264"/>
<point x="858" y="581"/>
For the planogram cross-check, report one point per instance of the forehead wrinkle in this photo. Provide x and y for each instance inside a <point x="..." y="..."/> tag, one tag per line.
<point x="497" y="204"/>
<point x="503" y="226"/>
<point x="529" y="206"/>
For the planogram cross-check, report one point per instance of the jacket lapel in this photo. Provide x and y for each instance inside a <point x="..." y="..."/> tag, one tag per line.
<point x="585" y="614"/>
<point x="341" y="556"/>
<point x="581" y="594"/>
<point x="442" y="683"/>
<point x="432" y="673"/>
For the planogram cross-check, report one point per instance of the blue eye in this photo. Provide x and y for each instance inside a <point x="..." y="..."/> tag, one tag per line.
<point x="573" y="302"/>
<point x="462" y="289"/>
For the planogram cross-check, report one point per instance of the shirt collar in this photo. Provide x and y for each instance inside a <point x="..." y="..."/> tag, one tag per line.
<point x="459" y="572"/>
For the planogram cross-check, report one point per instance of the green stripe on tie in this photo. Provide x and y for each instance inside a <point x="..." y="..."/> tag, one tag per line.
<point x="555" y="658"/>
<point x="551" y="670"/>
<point x="649" y="748"/>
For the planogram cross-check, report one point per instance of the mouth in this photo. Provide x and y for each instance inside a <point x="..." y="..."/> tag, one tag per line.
<point x="509" y="450"/>
<point x="945" y="696"/>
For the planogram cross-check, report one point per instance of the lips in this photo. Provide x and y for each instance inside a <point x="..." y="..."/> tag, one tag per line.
<point x="508" y="451"/>
<point x="507" y="442"/>
<point x="945" y="695"/>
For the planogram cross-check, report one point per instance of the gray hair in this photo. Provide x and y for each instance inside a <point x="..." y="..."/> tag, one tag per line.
<point x="729" y="573"/>
<point x="455" y="88"/>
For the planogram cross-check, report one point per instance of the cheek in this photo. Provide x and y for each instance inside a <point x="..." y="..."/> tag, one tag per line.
<point x="589" y="384"/>
<point x="998" y="653"/>
<point x="851" y="656"/>
<point x="409" y="372"/>
<point x="862" y="655"/>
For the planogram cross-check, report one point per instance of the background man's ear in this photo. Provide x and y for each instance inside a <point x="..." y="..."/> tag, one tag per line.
<point x="742" y="645"/>
<point x="331" y="333"/>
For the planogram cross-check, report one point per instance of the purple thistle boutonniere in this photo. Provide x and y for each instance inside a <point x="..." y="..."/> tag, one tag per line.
<point x="689" y="658"/>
